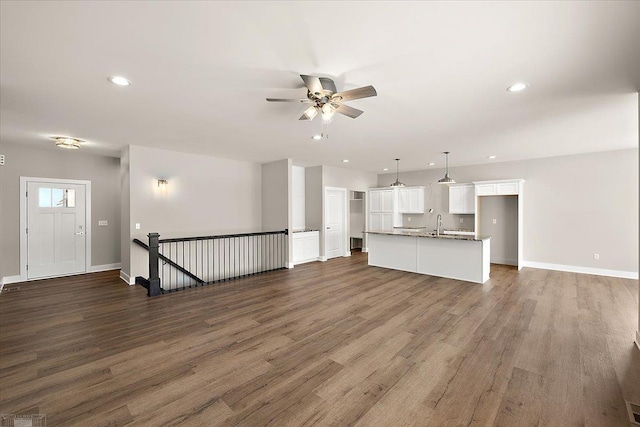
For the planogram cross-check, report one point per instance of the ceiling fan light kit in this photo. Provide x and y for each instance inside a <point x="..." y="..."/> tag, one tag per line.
<point x="322" y="93"/>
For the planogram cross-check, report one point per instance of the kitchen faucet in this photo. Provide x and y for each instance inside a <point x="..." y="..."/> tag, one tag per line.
<point x="438" y="224"/>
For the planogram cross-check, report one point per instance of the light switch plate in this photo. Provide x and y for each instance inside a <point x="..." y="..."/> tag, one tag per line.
<point x="1" y="159"/>
<point x="103" y="223"/>
<point x="137" y="226"/>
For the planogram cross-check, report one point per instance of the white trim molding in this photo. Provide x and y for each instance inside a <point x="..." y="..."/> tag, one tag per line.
<point x="11" y="279"/>
<point x="583" y="270"/>
<point x="105" y="267"/>
<point x="128" y="280"/>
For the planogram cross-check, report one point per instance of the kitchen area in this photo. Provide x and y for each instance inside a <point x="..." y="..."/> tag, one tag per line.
<point x="409" y="231"/>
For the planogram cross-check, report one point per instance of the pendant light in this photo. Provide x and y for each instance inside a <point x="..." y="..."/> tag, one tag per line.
<point x="447" y="179"/>
<point x="397" y="183"/>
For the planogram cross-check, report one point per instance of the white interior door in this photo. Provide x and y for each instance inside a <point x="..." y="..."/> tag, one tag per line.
<point x="56" y="229"/>
<point x="335" y="227"/>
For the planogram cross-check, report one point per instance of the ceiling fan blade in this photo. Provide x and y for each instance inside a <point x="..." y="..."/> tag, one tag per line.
<point x="305" y="117"/>
<point x="361" y="92"/>
<point x="313" y="84"/>
<point x="348" y="111"/>
<point x="302" y="101"/>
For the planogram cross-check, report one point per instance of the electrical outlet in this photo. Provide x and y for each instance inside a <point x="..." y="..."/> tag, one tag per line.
<point x="1" y="159"/>
<point x="102" y="223"/>
<point x="409" y="218"/>
<point x="596" y="256"/>
<point x="137" y="226"/>
<point x="461" y="220"/>
<point x="495" y="221"/>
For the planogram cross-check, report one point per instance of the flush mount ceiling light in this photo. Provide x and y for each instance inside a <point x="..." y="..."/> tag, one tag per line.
<point x="119" y="80"/>
<point x="431" y="164"/>
<point x="345" y="161"/>
<point x="385" y="169"/>
<point x="491" y="157"/>
<point x="316" y="137"/>
<point x="517" y="87"/>
<point x="67" y="142"/>
<point x="447" y="179"/>
<point x="397" y="182"/>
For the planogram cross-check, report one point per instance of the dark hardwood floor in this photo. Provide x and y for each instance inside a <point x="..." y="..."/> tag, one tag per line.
<point x="335" y="343"/>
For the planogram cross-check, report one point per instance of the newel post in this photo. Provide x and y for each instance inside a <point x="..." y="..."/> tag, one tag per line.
<point x="154" y="280"/>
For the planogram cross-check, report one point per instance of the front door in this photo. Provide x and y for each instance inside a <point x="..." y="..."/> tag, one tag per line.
<point x="56" y="229"/>
<point x="335" y="213"/>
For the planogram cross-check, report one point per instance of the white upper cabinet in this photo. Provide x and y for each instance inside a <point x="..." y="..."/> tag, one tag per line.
<point x="506" y="187"/>
<point x="462" y="199"/>
<point x="383" y="209"/>
<point x="382" y="200"/>
<point x="411" y="200"/>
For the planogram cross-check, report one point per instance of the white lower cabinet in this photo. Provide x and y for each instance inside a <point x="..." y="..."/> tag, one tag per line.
<point x="306" y="246"/>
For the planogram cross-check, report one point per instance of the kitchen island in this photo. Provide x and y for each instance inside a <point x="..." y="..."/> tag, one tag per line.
<point x="451" y="256"/>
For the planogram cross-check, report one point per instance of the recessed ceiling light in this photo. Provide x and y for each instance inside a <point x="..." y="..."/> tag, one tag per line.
<point x="432" y="164"/>
<point x="345" y="161"/>
<point x="119" y="80"/>
<point x="491" y="157"/>
<point x="517" y="87"/>
<point x="67" y="142"/>
<point x="385" y="169"/>
<point x="316" y="137"/>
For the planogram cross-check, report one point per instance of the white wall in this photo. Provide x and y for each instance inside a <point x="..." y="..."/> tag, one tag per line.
<point x="205" y="196"/>
<point x="125" y="216"/>
<point x="297" y="198"/>
<point x="276" y="198"/>
<point x="574" y="206"/>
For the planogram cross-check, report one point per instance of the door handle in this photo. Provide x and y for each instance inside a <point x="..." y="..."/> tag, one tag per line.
<point x="328" y="228"/>
<point x="80" y="233"/>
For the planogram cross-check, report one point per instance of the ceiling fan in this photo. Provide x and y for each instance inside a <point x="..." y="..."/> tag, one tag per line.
<point x="326" y="100"/>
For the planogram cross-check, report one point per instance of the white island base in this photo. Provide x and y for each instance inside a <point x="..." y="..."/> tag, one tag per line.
<point x="453" y="258"/>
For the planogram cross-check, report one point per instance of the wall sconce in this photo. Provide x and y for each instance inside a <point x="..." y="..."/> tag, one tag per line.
<point x="162" y="185"/>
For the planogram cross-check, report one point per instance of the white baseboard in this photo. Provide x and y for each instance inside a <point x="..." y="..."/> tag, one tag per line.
<point x="11" y="279"/>
<point x="638" y="339"/>
<point x="290" y="265"/>
<point x="322" y="258"/>
<point x="505" y="261"/>
<point x="583" y="270"/>
<point x="128" y="280"/>
<point x="365" y="249"/>
<point x="104" y="267"/>
<point x="348" y="253"/>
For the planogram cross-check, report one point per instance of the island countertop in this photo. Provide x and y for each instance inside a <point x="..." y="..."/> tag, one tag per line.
<point x="430" y="235"/>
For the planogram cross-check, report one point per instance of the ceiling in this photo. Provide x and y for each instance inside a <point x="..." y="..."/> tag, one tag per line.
<point x="201" y="72"/>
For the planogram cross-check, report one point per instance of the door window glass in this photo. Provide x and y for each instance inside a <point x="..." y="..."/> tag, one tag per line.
<point x="71" y="198"/>
<point x="44" y="198"/>
<point x="56" y="198"/>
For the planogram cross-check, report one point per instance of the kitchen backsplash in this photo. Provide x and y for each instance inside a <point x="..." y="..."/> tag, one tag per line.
<point x="428" y="220"/>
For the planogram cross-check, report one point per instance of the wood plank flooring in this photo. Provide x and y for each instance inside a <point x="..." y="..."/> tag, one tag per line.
<point x="325" y="344"/>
